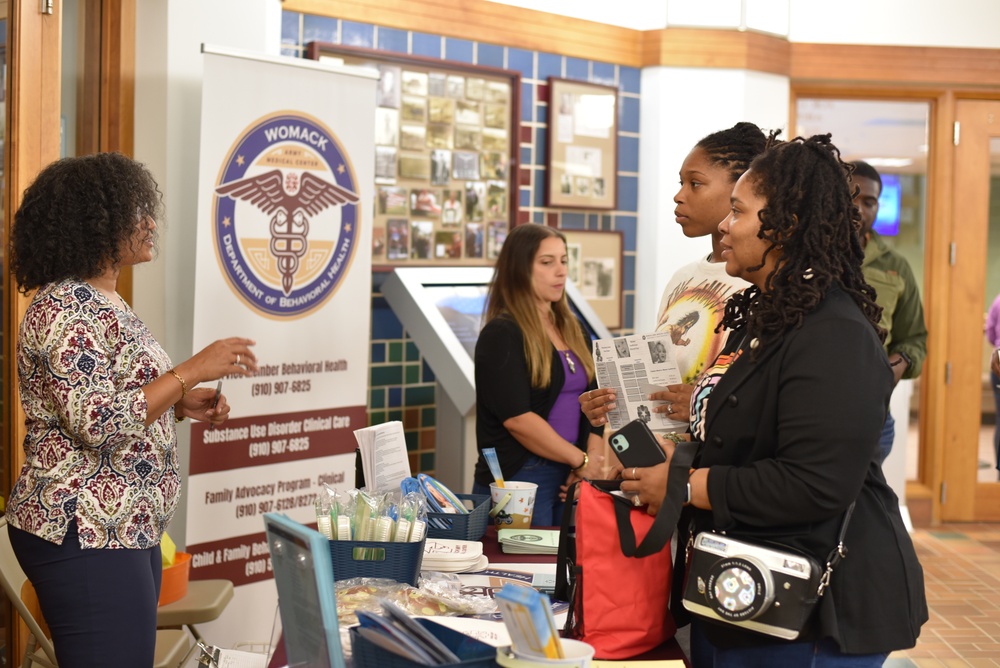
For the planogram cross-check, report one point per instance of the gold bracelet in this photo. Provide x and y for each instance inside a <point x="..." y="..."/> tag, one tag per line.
<point x="673" y="436"/>
<point x="184" y="386"/>
<point x="586" y="460"/>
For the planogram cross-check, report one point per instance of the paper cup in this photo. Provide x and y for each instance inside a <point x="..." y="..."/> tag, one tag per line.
<point x="578" y="654"/>
<point x="515" y="512"/>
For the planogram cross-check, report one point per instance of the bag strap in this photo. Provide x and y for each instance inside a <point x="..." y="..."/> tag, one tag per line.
<point x="838" y="553"/>
<point x="566" y="554"/>
<point x="670" y="511"/>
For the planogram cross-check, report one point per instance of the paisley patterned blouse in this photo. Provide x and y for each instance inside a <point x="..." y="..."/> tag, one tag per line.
<point x="82" y="363"/>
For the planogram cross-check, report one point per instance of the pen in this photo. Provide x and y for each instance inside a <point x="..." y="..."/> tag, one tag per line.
<point x="215" y="402"/>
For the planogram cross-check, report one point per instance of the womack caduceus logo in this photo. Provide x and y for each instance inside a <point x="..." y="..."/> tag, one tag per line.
<point x="285" y="214"/>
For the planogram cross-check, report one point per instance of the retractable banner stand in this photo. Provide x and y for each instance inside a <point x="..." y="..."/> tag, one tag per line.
<point x="284" y="258"/>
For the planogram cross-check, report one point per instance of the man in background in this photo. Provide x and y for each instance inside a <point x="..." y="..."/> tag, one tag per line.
<point x="898" y="294"/>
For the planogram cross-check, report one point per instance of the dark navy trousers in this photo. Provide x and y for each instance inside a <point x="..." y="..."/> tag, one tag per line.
<point x="99" y="604"/>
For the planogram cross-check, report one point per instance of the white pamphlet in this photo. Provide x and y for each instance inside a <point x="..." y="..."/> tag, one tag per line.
<point x="384" y="461"/>
<point x="234" y="658"/>
<point x="635" y="366"/>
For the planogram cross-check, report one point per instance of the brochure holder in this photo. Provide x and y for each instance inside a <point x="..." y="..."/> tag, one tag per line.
<point x="303" y="574"/>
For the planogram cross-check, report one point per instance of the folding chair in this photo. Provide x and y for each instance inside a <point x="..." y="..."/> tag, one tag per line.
<point x="170" y="645"/>
<point x="204" y="602"/>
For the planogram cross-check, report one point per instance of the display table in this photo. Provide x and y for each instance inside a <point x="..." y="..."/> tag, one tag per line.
<point x="493" y="552"/>
<point x="670" y="650"/>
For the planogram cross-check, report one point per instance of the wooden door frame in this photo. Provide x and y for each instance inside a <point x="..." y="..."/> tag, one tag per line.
<point x="32" y="132"/>
<point x="935" y="265"/>
<point x="967" y="499"/>
<point x="939" y="234"/>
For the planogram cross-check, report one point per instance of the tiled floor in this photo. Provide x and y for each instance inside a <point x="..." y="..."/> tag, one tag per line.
<point x="962" y="577"/>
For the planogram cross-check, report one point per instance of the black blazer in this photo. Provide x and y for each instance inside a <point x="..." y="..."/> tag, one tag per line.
<point x="792" y="440"/>
<point x="503" y="391"/>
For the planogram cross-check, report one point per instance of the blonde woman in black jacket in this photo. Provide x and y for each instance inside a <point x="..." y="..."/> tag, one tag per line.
<point x="532" y="361"/>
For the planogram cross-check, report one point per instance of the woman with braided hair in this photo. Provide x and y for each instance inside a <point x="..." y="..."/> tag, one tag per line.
<point x="776" y="461"/>
<point x="695" y="296"/>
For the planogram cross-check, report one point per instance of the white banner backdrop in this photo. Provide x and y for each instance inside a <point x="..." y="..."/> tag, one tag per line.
<point x="284" y="258"/>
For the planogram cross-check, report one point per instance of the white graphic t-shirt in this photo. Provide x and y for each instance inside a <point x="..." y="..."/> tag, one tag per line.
<point x="692" y="305"/>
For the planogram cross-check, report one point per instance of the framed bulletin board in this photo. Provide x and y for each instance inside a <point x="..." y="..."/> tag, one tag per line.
<point x="583" y="145"/>
<point x="446" y="137"/>
<point x="595" y="268"/>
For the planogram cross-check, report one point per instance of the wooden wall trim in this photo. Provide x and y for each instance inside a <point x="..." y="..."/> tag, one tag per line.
<point x="33" y="103"/>
<point x="118" y="73"/>
<point x="493" y="23"/>
<point x="489" y="22"/>
<point x="895" y="65"/>
<point x="117" y="119"/>
<point x="724" y="49"/>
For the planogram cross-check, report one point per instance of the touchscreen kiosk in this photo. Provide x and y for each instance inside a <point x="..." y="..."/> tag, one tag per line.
<point x="442" y="310"/>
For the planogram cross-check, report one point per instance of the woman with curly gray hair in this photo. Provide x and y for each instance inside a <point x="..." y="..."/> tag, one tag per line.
<point x="100" y="480"/>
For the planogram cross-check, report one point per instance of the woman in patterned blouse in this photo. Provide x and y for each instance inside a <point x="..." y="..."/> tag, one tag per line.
<point x="100" y="480"/>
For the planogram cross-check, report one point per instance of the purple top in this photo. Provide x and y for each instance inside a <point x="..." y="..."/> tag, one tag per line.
<point x="993" y="323"/>
<point x="565" y="414"/>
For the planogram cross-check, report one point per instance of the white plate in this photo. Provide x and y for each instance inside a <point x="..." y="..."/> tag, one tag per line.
<point x="456" y="567"/>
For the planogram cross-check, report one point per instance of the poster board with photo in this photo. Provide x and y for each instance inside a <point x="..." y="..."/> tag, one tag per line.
<point x="595" y="268"/>
<point x="583" y="145"/>
<point x="446" y="137"/>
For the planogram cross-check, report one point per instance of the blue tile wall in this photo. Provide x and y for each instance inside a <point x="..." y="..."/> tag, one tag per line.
<point x="577" y="68"/>
<point x="527" y="102"/>
<point x="490" y="55"/>
<point x="604" y="73"/>
<point x="427" y="45"/>
<point x="549" y="65"/>
<point x="390" y="39"/>
<point x="290" y="29"/>
<point x="628" y="153"/>
<point x="458" y="50"/>
<point x="628" y="118"/>
<point x="357" y="34"/>
<point x="574" y="221"/>
<point x="629" y="79"/>
<point x="398" y="391"/>
<point x="522" y="61"/>
<point x="318" y="29"/>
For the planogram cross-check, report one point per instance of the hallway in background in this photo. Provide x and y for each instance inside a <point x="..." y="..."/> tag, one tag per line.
<point x="962" y="576"/>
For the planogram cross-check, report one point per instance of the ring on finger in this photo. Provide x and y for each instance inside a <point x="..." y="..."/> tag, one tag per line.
<point x="634" y="477"/>
<point x="670" y="408"/>
<point x="590" y="395"/>
<point x="237" y="359"/>
<point x="635" y="501"/>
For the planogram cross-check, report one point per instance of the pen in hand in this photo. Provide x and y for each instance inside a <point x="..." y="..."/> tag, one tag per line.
<point x="215" y="402"/>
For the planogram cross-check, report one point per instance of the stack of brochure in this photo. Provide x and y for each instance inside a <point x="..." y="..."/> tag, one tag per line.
<point x="396" y="632"/>
<point x="529" y="541"/>
<point x="532" y="628"/>
<point x="453" y="556"/>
